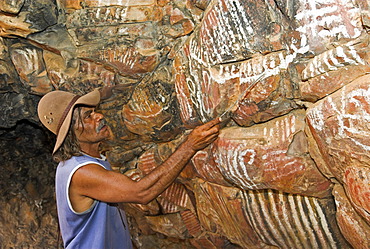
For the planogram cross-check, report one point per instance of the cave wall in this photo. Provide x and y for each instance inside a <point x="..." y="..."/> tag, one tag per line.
<point x="291" y="167"/>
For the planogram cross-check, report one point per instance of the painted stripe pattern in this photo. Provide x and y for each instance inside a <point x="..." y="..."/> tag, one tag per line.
<point x="219" y="41"/>
<point x="191" y="222"/>
<point x="328" y="18"/>
<point x="332" y="60"/>
<point x="289" y="221"/>
<point x="109" y="15"/>
<point x="244" y="163"/>
<point x="174" y="198"/>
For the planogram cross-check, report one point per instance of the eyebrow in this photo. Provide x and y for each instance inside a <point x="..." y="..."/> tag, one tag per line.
<point x="87" y="113"/>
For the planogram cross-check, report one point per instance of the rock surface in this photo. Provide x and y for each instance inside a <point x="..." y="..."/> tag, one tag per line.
<point x="291" y="167"/>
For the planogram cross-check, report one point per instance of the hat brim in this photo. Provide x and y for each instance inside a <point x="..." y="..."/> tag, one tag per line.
<point x="89" y="99"/>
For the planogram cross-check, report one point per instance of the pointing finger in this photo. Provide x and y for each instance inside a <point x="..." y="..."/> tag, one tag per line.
<point x="212" y="123"/>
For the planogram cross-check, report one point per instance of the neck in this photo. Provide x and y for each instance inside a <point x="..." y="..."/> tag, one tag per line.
<point x="90" y="149"/>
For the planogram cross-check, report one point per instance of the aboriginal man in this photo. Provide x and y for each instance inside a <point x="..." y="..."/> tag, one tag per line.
<point x="87" y="189"/>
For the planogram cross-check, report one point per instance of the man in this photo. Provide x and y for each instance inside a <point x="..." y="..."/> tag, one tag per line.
<point x="86" y="187"/>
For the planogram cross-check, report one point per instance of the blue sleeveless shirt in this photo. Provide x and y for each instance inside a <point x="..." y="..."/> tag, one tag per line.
<point x="103" y="225"/>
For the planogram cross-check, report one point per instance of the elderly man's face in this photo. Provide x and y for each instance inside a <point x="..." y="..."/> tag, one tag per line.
<point x="92" y="127"/>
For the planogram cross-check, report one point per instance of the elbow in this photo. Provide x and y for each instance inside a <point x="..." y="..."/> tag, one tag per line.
<point x="144" y="197"/>
<point x="144" y="201"/>
<point x="145" y="193"/>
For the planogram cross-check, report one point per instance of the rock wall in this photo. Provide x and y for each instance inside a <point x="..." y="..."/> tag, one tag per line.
<point x="291" y="168"/>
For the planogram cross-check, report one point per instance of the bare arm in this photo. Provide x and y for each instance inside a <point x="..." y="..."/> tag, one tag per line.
<point x="92" y="181"/>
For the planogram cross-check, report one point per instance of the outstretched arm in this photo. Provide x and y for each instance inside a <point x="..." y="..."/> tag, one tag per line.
<point x="92" y="181"/>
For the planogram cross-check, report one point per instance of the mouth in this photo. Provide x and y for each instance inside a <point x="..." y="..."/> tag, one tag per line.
<point x="102" y="125"/>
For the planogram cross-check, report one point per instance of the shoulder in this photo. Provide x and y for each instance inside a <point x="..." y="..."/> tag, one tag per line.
<point x="76" y="162"/>
<point x="84" y="159"/>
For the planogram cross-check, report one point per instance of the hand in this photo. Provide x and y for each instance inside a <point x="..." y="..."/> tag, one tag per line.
<point x="204" y="135"/>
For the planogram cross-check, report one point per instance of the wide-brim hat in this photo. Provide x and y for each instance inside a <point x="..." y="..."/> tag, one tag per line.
<point x="55" y="111"/>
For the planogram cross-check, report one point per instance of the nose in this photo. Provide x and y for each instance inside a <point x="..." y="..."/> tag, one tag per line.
<point x="98" y="116"/>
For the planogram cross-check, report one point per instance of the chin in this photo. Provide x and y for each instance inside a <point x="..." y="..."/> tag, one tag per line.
<point x="109" y="133"/>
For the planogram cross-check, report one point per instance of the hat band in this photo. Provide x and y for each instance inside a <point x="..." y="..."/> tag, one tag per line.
<point x="68" y="108"/>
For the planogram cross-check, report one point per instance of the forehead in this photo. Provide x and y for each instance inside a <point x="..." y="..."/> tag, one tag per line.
<point x="82" y="111"/>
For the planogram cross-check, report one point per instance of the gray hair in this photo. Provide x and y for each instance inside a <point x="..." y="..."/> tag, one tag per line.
<point x="70" y="146"/>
